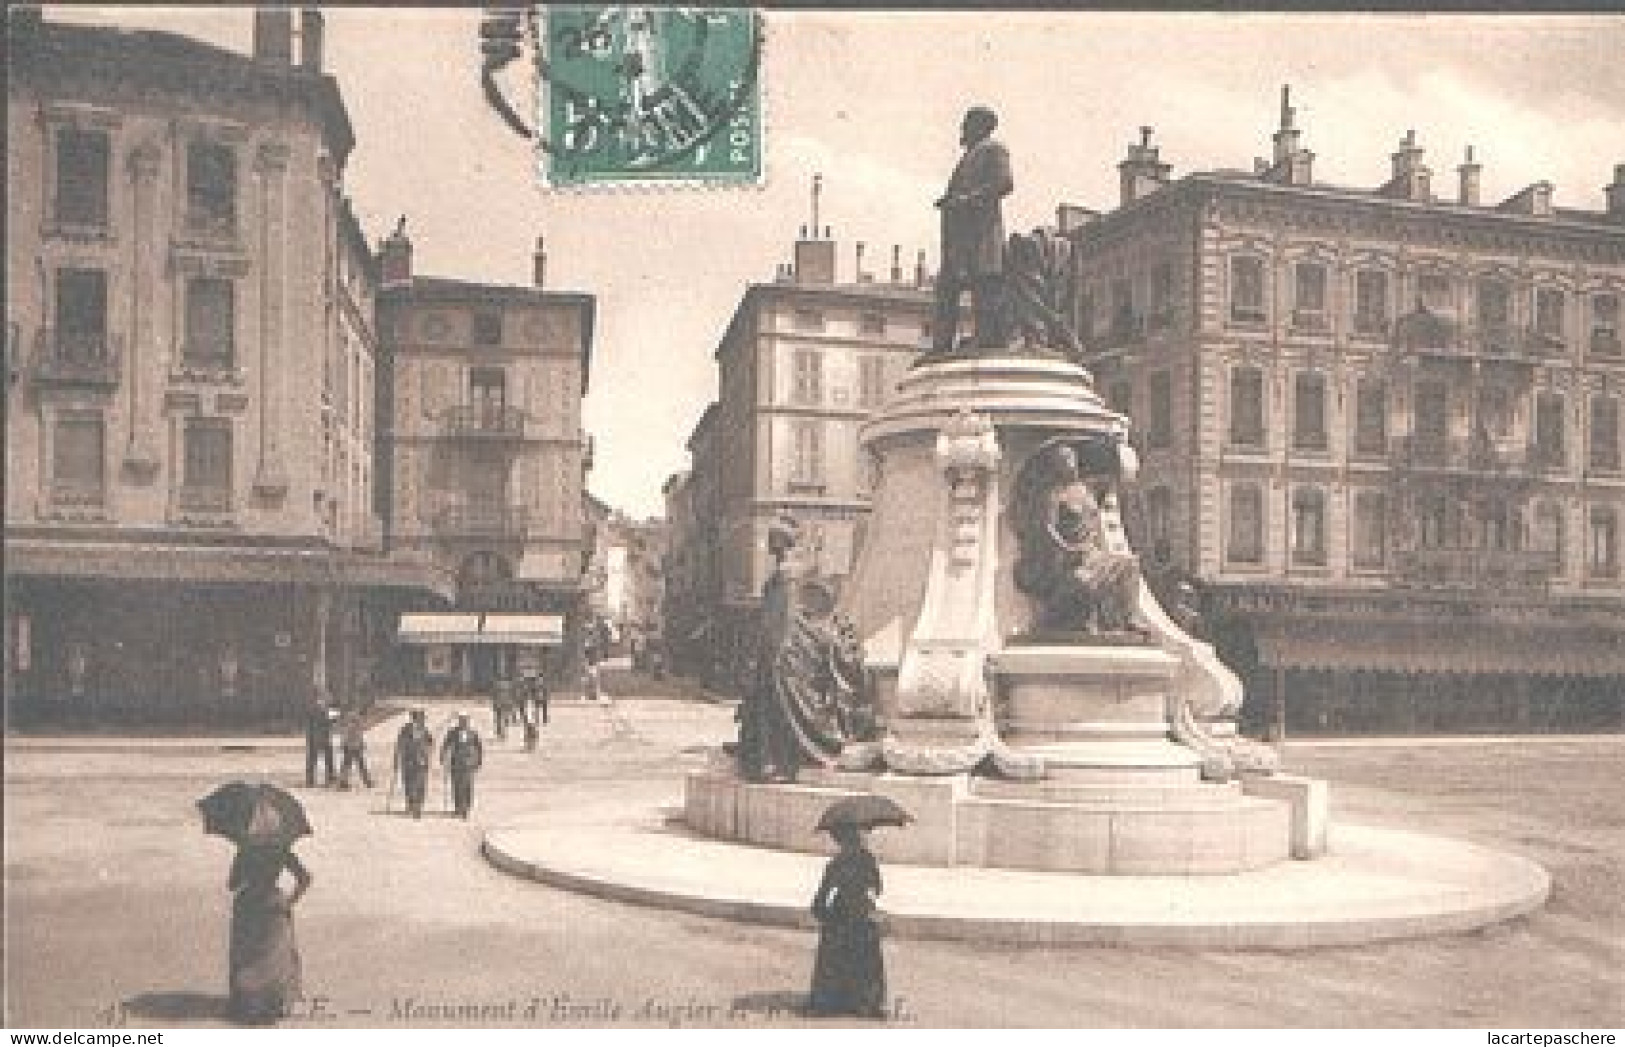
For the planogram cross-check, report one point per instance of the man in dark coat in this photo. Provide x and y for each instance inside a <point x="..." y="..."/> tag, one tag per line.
<point x="461" y="753"/>
<point x="973" y="236"/>
<point x="414" y="751"/>
<point x="319" y="719"/>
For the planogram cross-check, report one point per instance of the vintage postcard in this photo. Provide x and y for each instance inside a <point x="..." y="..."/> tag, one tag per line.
<point x="658" y="517"/>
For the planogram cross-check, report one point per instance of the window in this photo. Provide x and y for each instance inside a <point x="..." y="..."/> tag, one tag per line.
<point x="1120" y="396"/>
<point x="1123" y="320"/>
<point x="1603" y="545"/>
<point x="1434" y="293"/>
<point x="1247" y="289"/>
<point x="1494" y="303"/>
<point x="488" y="396"/>
<point x="78" y="459"/>
<point x="488" y="327"/>
<point x="1550" y="449"/>
<point x="1159" y="508"/>
<point x="1431" y="439"/>
<point x="1605" y="325"/>
<point x="206" y="469"/>
<point x="81" y="313"/>
<point x="1246" y="544"/>
<point x="872" y="323"/>
<point x="1604" y="434"/>
<point x="807" y="464"/>
<point x="1309" y="527"/>
<point x="1546" y="534"/>
<point x="1309" y="412"/>
<point x="808" y="319"/>
<point x="1160" y="424"/>
<point x="871" y="381"/>
<point x="1309" y="288"/>
<point x="211" y="189"/>
<point x="1549" y="313"/>
<point x="1371" y="417"/>
<point x="1247" y="407"/>
<point x="81" y="177"/>
<point x="1370" y="302"/>
<point x="1370" y="529"/>
<point x="1162" y="294"/>
<point x="807" y="379"/>
<point x="210" y="322"/>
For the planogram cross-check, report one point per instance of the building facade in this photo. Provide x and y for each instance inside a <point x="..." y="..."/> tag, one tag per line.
<point x="487" y="458"/>
<point x="1380" y="430"/>
<point x="191" y="524"/>
<point x="803" y="363"/>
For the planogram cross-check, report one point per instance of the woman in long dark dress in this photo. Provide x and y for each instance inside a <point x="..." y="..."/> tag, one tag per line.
<point x="265" y="973"/>
<point x="849" y="974"/>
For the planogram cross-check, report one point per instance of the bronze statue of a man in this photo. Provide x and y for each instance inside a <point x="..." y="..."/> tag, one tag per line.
<point x="973" y="236"/>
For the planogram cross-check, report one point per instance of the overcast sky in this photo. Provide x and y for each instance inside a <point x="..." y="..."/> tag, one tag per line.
<point x="872" y="100"/>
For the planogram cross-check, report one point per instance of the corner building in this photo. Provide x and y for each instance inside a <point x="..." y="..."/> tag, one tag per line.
<point x="192" y="532"/>
<point x="1380" y="431"/>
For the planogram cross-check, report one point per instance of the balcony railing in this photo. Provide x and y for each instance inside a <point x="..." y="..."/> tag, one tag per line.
<point x="70" y="358"/>
<point x="1606" y="343"/>
<point x="1478" y="567"/>
<point x="1435" y="335"/>
<point x="1439" y="452"/>
<point x="483" y="521"/>
<point x="209" y="226"/>
<point x="78" y="493"/>
<point x="485" y="422"/>
<point x="204" y="499"/>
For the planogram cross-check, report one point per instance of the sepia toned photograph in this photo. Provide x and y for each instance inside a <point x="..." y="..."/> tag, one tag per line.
<point x="655" y="517"/>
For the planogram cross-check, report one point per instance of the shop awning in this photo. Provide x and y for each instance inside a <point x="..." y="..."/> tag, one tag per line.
<point x="1463" y="648"/>
<point x="439" y="628"/>
<point x="523" y="629"/>
<point x="464" y="627"/>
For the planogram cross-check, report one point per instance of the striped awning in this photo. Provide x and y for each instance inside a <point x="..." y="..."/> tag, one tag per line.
<point x="439" y="628"/>
<point x="1464" y="648"/>
<point x="530" y="629"/>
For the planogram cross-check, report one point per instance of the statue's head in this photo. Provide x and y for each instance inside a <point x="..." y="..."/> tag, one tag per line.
<point x="979" y="122"/>
<point x="782" y="536"/>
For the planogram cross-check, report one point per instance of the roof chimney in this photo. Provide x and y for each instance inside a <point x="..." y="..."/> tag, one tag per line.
<point x="1469" y="171"/>
<point x="1070" y="216"/>
<point x="1286" y="136"/>
<point x="310" y="39"/>
<point x="538" y="264"/>
<point x="1615" y="194"/>
<point x="921" y="277"/>
<point x="1292" y="164"/>
<point x="896" y="264"/>
<point x="1535" y="200"/>
<point x="395" y="258"/>
<point x="273" y="35"/>
<point x="1411" y="177"/>
<point x="815" y="261"/>
<point x="1141" y="172"/>
<point x="857" y="270"/>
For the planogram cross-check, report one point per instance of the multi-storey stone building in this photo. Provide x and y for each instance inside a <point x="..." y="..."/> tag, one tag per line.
<point x="803" y="362"/>
<point x="1381" y="430"/>
<point x="487" y="457"/>
<point x="191" y="526"/>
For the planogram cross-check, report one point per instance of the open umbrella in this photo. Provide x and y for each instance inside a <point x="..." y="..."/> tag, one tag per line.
<point x="253" y="814"/>
<point x="863" y="812"/>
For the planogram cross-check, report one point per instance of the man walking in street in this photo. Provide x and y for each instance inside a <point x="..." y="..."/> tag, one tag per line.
<point x="462" y="754"/>
<point x="414" y="751"/>
<point x="353" y="744"/>
<point x="319" y="717"/>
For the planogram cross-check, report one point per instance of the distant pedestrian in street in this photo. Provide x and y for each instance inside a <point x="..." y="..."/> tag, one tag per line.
<point x="461" y="753"/>
<point x="353" y="744"/>
<point x="414" y="752"/>
<point x="319" y="719"/>
<point x="849" y="974"/>
<point x="535" y="696"/>
<point x="502" y="706"/>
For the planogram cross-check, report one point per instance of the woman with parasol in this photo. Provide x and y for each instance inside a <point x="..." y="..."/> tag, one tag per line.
<point x="849" y="973"/>
<point x="263" y="821"/>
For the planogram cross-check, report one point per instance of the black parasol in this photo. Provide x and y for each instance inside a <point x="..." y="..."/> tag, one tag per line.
<point x="863" y="812"/>
<point x="253" y="814"/>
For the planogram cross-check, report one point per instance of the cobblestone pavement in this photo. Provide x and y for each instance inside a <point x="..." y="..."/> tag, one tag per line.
<point x="117" y="908"/>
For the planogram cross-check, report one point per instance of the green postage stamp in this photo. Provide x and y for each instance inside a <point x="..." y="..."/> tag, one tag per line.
<point x="650" y="95"/>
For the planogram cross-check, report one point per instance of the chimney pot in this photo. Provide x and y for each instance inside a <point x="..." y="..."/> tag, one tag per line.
<point x="539" y="263"/>
<point x="310" y="39"/>
<point x="273" y="35"/>
<point x="1615" y="194"/>
<point x="1469" y="172"/>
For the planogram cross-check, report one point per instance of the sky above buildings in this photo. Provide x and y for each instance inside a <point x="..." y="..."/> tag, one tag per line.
<point x="872" y="100"/>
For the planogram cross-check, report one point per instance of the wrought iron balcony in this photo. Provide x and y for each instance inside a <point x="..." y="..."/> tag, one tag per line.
<point x="483" y="521"/>
<point x="1605" y="342"/>
<point x="203" y="499"/>
<point x="1457" y="567"/>
<point x="484" y="422"/>
<point x="71" y="358"/>
<point x="209" y="227"/>
<point x="1430" y="452"/>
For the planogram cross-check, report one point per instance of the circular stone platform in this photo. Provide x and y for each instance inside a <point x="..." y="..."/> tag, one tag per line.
<point x="1375" y="885"/>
